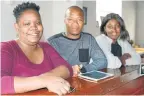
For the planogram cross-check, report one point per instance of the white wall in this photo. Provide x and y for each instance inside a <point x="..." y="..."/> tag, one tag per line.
<point x="129" y="16"/>
<point x="7" y="22"/>
<point x="90" y="27"/>
<point x="140" y="23"/>
<point x="133" y="13"/>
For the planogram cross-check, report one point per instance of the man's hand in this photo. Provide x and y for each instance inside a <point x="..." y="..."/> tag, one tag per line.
<point x="76" y="70"/>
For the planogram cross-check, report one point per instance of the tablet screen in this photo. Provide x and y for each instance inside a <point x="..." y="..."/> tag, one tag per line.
<point x="95" y="75"/>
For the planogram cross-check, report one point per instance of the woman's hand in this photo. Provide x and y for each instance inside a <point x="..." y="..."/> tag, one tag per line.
<point x="124" y="57"/>
<point x="55" y="84"/>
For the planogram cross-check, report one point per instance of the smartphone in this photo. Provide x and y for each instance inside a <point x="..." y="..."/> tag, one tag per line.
<point x="72" y="89"/>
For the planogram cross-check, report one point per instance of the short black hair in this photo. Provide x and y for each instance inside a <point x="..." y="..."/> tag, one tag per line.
<point x="20" y="8"/>
<point x="124" y="35"/>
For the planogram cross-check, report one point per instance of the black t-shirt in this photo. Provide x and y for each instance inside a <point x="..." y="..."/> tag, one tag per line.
<point x="116" y="49"/>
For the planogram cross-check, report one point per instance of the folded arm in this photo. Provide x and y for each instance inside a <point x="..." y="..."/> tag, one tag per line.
<point x="135" y="57"/>
<point x="51" y="80"/>
<point x="24" y="84"/>
<point x="17" y="84"/>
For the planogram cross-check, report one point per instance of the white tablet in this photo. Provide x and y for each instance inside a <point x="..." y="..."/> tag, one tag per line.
<point x="95" y="75"/>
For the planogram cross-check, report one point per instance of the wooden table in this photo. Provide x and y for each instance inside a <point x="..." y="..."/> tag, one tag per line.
<point x="126" y="80"/>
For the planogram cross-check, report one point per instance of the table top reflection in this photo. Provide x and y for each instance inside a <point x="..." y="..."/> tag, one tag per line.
<point x="126" y="80"/>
